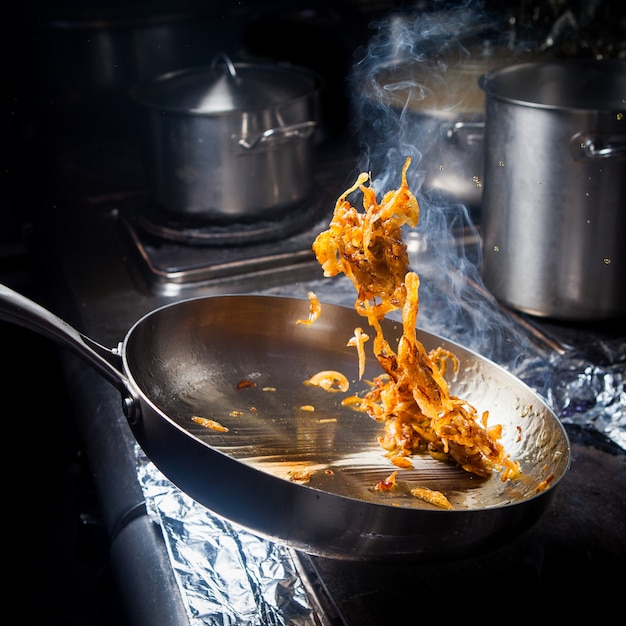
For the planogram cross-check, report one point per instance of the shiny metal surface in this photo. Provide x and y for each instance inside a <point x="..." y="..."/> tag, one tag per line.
<point x="225" y="87"/>
<point x="228" y="146"/>
<point x="553" y="219"/>
<point x="186" y="360"/>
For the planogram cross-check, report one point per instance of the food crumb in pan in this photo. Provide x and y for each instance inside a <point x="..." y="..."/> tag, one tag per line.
<point x="307" y="407"/>
<point x="437" y="498"/>
<point x="300" y="475"/>
<point x="401" y="461"/>
<point x="246" y="384"/>
<point x="327" y="420"/>
<point x="236" y="413"/>
<point x="544" y="484"/>
<point x="269" y="388"/>
<point x="210" y="424"/>
<point x="386" y="484"/>
<point x="329" y="380"/>
<point x="431" y="496"/>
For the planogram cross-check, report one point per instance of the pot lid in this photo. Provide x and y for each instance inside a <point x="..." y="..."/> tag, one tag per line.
<point x="225" y="87"/>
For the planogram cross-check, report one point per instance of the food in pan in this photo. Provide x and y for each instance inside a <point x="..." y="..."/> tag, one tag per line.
<point x="411" y="397"/>
<point x="387" y="484"/>
<point x="300" y="475"/>
<point x="210" y="424"/>
<point x="433" y="497"/>
<point x="245" y="384"/>
<point x="329" y="380"/>
<point x="358" y="341"/>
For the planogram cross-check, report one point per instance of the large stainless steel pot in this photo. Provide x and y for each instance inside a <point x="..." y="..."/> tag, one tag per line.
<point x="231" y="141"/>
<point x="188" y="358"/>
<point x="554" y="204"/>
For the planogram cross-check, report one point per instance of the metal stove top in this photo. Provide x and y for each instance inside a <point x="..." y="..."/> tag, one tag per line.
<point x="105" y="272"/>
<point x="173" y="257"/>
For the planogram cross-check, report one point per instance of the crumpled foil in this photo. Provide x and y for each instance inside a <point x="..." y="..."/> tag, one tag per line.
<point x="226" y="575"/>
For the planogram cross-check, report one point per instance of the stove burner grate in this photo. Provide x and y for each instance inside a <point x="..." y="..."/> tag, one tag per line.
<point x="190" y="232"/>
<point x="222" y="257"/>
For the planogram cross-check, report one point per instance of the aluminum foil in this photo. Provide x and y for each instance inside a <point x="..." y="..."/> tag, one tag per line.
<point x="226" y="575"/>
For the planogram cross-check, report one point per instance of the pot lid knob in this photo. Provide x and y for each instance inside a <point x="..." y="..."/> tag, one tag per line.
<point x="230" y="66"/>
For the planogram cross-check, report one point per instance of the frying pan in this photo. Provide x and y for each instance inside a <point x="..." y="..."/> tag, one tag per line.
<point x="241" y="361"/>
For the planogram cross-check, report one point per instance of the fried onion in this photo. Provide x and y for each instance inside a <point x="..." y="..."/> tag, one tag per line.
<point x="412" y="396"/>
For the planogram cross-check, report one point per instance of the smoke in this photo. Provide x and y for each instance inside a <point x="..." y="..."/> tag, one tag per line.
<point x="444" y="249"/>
<point x="386" y="97"/>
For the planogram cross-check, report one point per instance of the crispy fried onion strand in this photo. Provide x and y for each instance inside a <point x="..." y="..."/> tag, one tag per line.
<point x="358" y="340"/>
<point x="411" y="397"/>
<point x="329" y="380"/>
<point x="315" y="310"/>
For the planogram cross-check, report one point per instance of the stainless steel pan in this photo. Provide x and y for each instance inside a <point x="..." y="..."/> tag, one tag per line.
<point x="188" y="358"/>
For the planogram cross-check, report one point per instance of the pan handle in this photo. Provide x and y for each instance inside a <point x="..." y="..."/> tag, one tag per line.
<point x="20" y="310"/>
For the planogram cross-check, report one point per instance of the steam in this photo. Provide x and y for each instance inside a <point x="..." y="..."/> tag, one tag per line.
<point x="433" y="40"/>
<point x="444" y="249"/>
<point x="453" y="300"/>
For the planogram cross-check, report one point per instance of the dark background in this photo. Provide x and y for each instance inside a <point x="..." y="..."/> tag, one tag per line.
<point x="57" y="545"/>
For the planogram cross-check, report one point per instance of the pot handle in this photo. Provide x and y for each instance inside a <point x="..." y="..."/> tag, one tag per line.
<point x="594" y="147"/>
<point x="474" y="132"/>
<point x="303" y="130"/>
<point x="20" y="310"/>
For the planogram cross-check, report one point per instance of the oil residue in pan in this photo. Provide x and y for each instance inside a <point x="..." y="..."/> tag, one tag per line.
<point x="335" y="449"/>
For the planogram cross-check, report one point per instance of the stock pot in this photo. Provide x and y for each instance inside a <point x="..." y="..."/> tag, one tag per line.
<point x="554" y="199"/>
<point x="230" y="141"/>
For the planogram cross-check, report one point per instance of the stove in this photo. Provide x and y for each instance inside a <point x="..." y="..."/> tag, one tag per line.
<point x="107" y="259"/>
<point x="107" y="266"/>
<point x="175" y="256"/>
